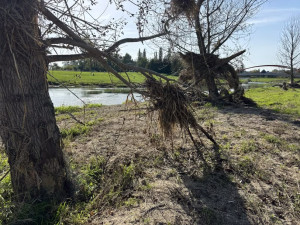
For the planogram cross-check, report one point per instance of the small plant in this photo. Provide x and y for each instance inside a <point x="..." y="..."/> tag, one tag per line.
<point x="245" y="167"/>
<point x="67" y="109"/>
<point x="272" y="139"/>
<point x="248" y="146"/>
<point x="131" y="202"/>
<point x="62" y="117"/>
<point x="74" y="131"/>
<point x="93" y="105"/>
<point x="6" y="192"/>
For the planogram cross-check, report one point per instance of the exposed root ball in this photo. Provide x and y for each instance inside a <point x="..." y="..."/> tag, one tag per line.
<point x="183" y="6"/>
<point x="208" y="65"/>
<point x="171" y="104"/>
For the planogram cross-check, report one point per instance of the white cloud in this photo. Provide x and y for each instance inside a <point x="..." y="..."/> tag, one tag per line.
<point x="266" y="20"/>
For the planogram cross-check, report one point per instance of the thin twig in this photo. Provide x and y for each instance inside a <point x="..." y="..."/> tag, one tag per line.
<point x="5" y="175"/>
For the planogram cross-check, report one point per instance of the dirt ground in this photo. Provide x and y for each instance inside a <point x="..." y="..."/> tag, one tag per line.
<point x="253" y="178"/>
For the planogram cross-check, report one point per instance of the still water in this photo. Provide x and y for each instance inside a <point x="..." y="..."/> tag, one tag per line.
<point x="62" y="96"/>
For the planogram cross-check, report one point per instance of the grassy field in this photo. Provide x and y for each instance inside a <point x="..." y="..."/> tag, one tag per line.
<point x="274" y="80"/>
<point x="77" y="78"/>
<point x="277" y="99"/>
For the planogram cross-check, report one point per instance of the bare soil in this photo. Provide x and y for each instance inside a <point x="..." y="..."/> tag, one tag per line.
<point x="252" y="179"/>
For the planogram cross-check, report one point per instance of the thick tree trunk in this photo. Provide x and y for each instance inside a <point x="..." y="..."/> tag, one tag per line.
<point x="27" y="121"/>
<point x="211" y="86"/>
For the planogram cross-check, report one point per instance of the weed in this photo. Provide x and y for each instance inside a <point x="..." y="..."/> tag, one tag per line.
<point x="131" y="202"/>
<point x="272" y="139"/>
<point x="293" y="147"/>
<point x="245" y="167"/>
<point x="248" y="146"/>
<point x="67" y="109"/>
<point x="93" y="105"/>
<point x="225" y="137"/>
<point x="74" y="131"/>
<point x="145" y="187"/>
<point x="62" y="117"/>
<point x="6" y="192"/>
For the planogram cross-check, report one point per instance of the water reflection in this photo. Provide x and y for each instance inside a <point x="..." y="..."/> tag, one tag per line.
<point x="62" y="96"/>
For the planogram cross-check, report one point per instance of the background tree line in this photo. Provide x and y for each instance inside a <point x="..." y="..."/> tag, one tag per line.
<point x="169" y="63"/>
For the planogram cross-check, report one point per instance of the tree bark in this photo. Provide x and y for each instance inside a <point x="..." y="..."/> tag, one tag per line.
<point x="27" y="120"/>
<point x="292" y="73"/>
<point x="211" y="86"/>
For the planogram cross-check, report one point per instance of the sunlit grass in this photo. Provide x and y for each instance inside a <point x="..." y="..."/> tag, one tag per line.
<point x="277" y="99"/>
<point x="78" y="78"/>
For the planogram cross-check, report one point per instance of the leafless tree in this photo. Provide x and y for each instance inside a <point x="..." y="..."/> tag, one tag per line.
<point x="202" y="30"/>
<point x="31" y="30"/>
<point x="289" y="52"/>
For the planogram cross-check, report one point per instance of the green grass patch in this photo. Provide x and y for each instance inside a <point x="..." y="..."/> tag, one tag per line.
<point x="271" y="80"/>
<point x="93" y="106"/>
<point x="74" y="131"/>
<point x="76" y="78"/>
<point x="272" y="139"/>
<point x="67" y="109"/>
<point x="75" y="109"/>
<point x="6" y="191"/>
<point x="277" y="99"/>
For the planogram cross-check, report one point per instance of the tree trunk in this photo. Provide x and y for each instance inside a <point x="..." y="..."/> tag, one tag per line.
<point x="211" y="85"/>
<point x="27" y="121"/>
<point x="292" y="73"/>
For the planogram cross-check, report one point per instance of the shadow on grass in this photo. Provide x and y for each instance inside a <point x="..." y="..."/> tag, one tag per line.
<point x="267" y="114"/>
<point x="213" y="198"/>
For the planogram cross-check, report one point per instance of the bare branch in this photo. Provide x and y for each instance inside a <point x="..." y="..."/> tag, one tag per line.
<point x="56" y="58"/>
<point x="131" y="40"/>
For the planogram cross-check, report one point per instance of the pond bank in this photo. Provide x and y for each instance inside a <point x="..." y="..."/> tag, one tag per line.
<point x="168" y="182"/>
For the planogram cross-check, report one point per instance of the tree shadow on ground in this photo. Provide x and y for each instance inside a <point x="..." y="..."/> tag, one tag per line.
<point x="213" y="198"/>
<point x="267" y="114"/>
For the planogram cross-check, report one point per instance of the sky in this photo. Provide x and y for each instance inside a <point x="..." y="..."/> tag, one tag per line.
<point x="263" y="43"/>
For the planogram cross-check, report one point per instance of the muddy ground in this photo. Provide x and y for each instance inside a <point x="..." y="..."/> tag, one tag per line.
<point x="253" y="178"/>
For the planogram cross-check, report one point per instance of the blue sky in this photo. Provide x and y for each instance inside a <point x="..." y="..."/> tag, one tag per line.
<point x="263" y="42"/>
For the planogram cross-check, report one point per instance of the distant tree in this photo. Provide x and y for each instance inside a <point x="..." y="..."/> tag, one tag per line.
<point x="289" y="52"/>
<point x="127" y="59"/>
<point x="140" y="54"/>
<point x="176" y="64"/>
<point x="142" y="62"/>
<point x="55" y="66"/>
<point x="160" y="56"/>
<point x="255" y="71"/>
<point x="144" y="54"/>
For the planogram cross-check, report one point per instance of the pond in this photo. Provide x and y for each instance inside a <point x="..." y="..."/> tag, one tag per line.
<point x="113" y="96"/>
<point x="62" y="96"/>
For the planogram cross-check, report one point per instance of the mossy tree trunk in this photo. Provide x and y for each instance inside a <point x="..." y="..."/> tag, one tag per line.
<point x="27" y="121"/>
